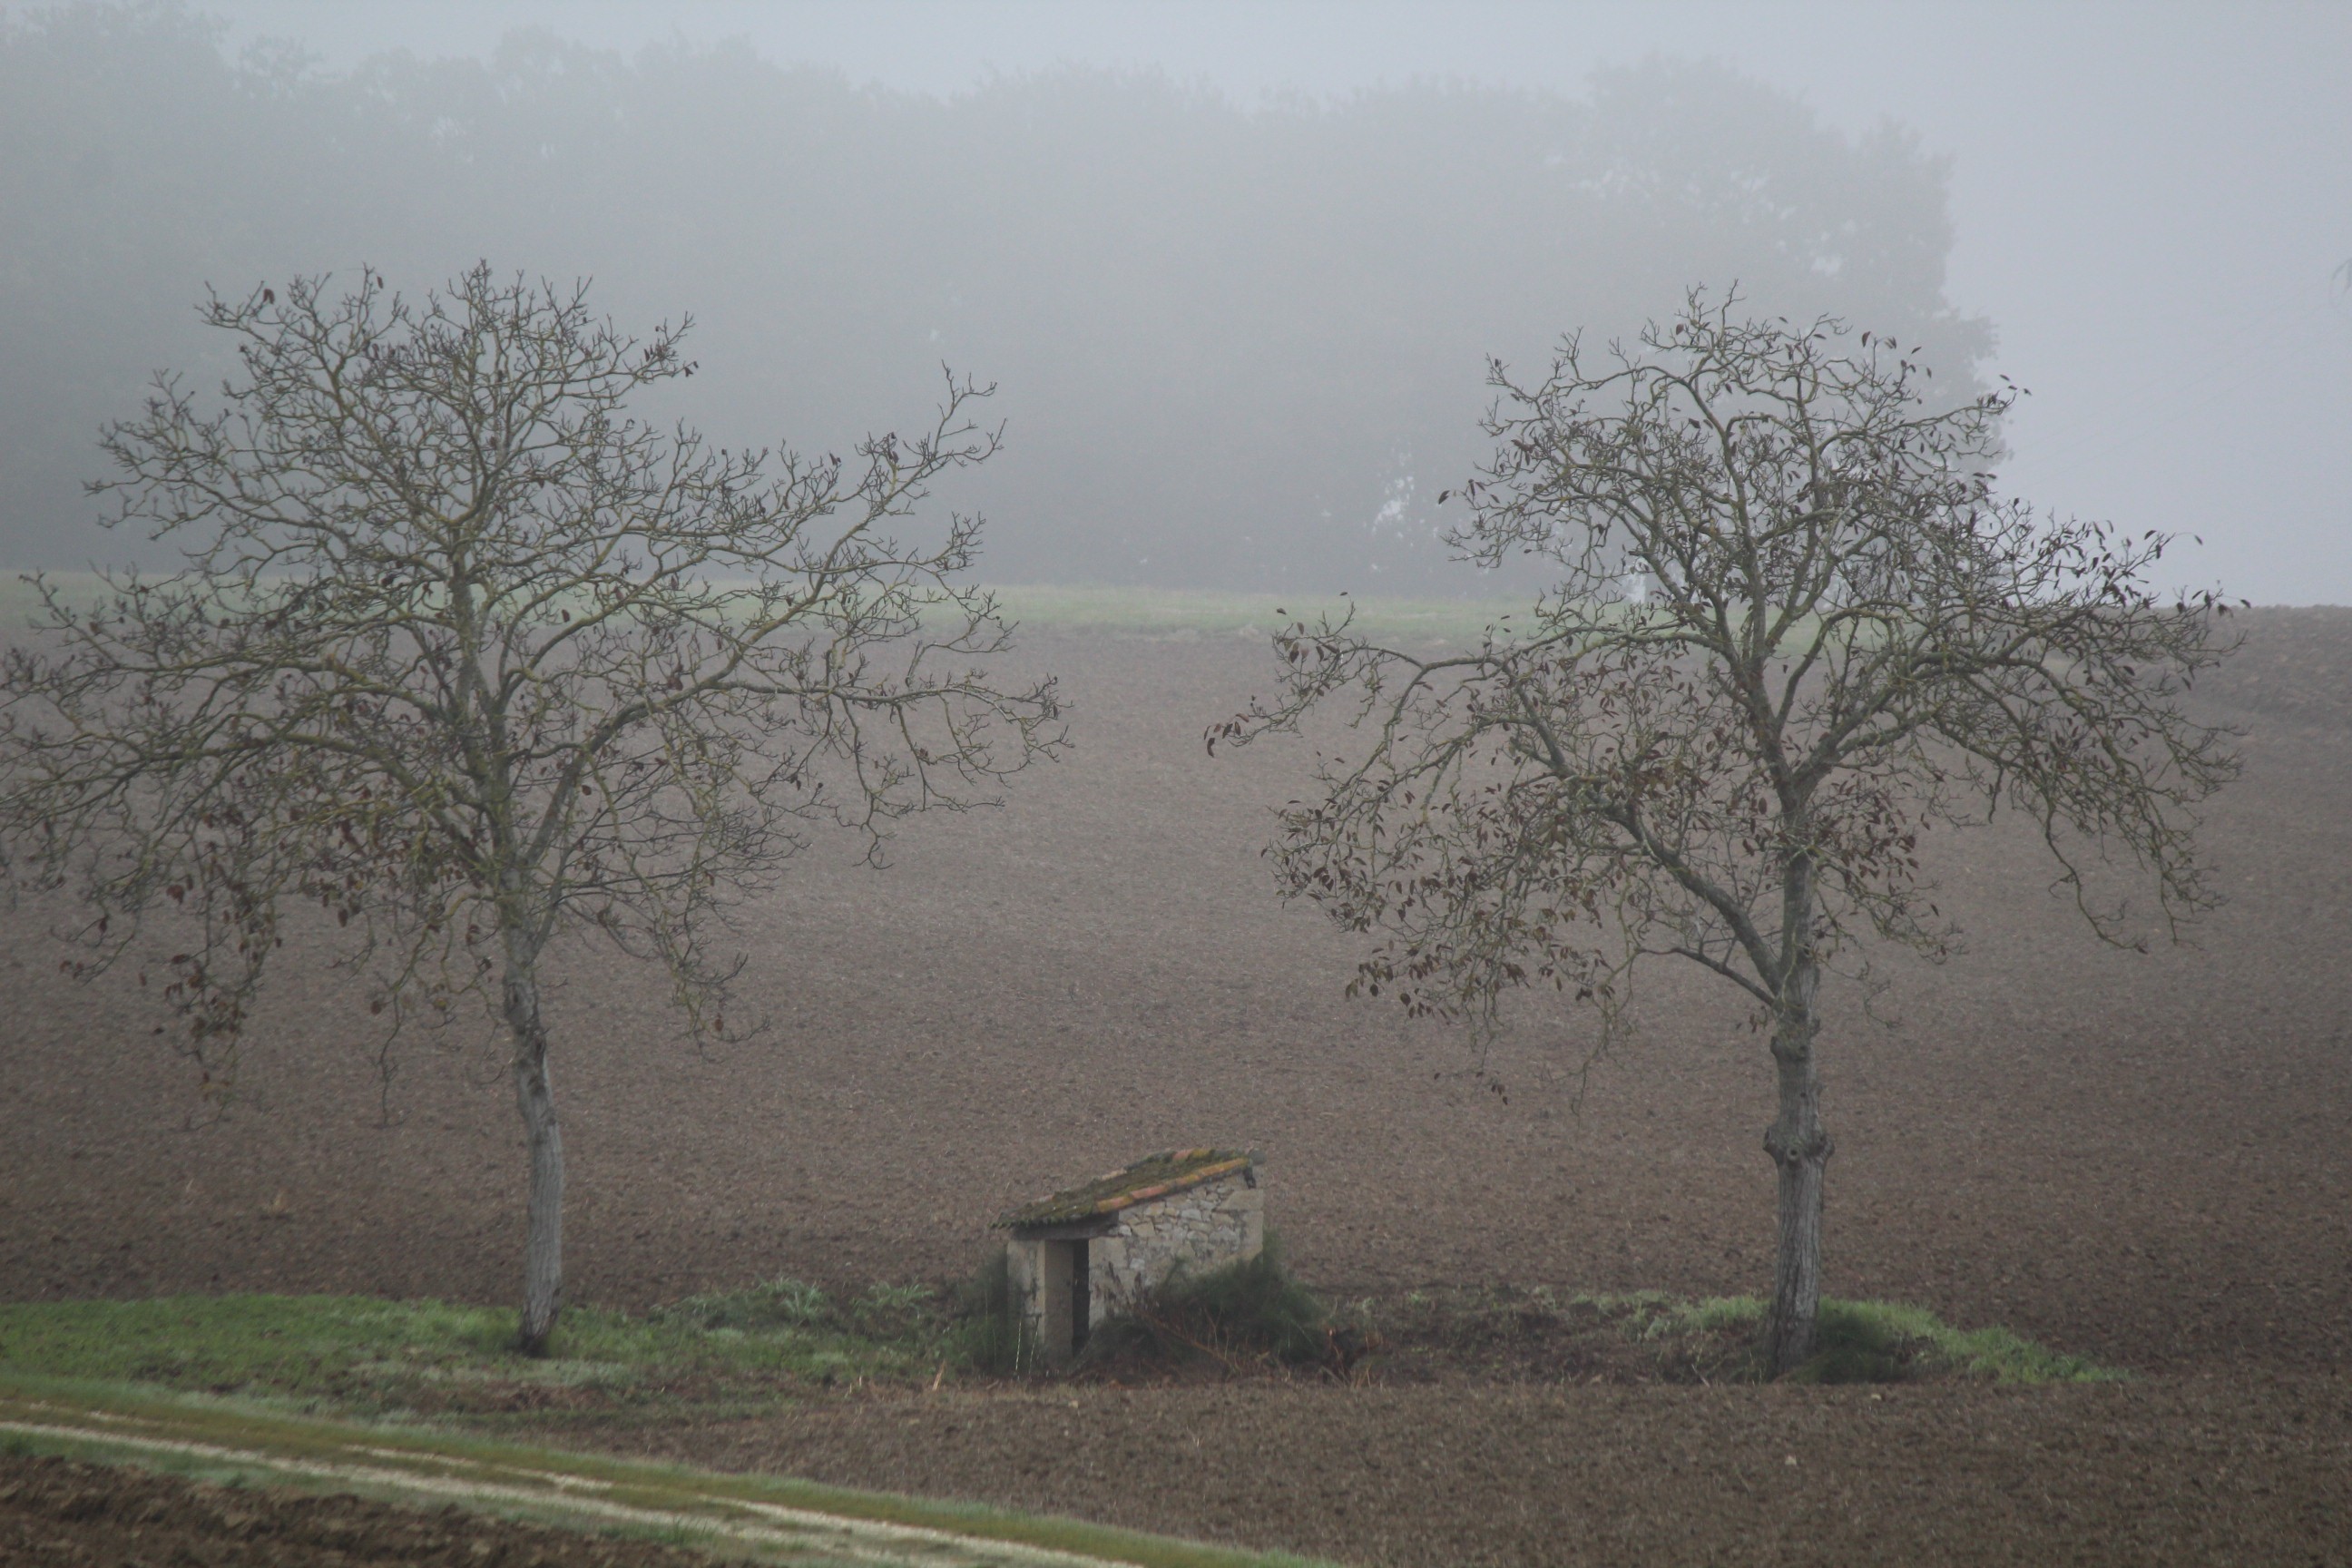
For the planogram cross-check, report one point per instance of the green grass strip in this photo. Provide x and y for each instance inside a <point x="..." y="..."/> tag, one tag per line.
<point x="1068" y="607"/>
<point x="377" y="1356"/>
<point x="1854" y="1338"/>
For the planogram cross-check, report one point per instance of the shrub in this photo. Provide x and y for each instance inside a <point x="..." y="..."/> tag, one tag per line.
<point x="1252" y="1310"/>
<point x="1854" y="1341"/>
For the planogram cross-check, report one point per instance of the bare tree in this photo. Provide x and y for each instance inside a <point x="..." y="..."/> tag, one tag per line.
<point x="1793" y="627"/>
<point x="471" y="659"/>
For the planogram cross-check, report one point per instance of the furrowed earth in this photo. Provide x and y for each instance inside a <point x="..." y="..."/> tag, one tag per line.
<point x="2145" y="1159"/>
<point x="57" y="1510"/>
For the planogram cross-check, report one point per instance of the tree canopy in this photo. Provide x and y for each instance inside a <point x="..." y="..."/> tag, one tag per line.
<point x="467" y="656"/>
<point x="1794" y="627"/>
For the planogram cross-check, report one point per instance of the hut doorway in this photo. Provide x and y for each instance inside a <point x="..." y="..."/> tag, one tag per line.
<point x="1069" y="1294"/>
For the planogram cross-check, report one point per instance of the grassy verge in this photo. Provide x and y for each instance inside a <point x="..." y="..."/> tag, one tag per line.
<point x="1879" y="1342"/>
<point x="705" y="1355"/>
<point x="1650" y="1337"/>
<point x="747" y="1351"/>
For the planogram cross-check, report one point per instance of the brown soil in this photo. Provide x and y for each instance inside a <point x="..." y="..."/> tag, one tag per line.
<point x="2145" y="1159"/>
<point x="68" y="1514"/>
<point x="2170" y="1470"/>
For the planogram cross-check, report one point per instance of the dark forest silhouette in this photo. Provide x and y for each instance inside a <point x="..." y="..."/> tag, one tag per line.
<point x="1237" y="347"/>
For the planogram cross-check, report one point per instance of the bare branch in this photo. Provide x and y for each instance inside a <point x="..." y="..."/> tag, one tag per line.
<point x="1846" y="638"/>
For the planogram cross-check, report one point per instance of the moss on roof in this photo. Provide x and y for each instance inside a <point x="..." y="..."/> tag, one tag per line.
<point x="1153" y="1176"/>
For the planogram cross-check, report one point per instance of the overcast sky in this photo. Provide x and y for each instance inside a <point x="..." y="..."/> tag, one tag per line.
<point x="2151" y="199"/>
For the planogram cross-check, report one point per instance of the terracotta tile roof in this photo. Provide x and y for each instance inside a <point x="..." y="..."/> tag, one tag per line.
<point x="1153" y="1176"/>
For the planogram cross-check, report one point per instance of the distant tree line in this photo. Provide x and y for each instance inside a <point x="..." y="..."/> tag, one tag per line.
<point x="1237" y="346"/>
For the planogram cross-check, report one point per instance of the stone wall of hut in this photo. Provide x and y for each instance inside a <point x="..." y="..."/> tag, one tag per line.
<point x="1202" y="1227"/>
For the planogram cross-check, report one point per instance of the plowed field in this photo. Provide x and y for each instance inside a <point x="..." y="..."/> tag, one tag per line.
<point x="2142" y="1158"/>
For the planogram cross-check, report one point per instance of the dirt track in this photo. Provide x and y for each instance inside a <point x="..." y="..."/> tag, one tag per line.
<point x="2145" y="1159"/>
<point x="57" y="1510"/>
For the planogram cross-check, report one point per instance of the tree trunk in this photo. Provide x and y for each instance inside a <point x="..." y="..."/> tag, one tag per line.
<point x="1799" y="1147"/>
<point x="542" y="1269"/>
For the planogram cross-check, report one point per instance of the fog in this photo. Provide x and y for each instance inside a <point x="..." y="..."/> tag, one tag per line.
<point x="1235" y="270"/>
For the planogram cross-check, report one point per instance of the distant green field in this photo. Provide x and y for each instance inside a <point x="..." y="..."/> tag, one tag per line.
<point x="1174" y="610"/>
<point x="1131" y="611"/>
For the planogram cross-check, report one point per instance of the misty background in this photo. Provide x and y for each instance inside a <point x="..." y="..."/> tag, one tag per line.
<point x="1234" y="269"/>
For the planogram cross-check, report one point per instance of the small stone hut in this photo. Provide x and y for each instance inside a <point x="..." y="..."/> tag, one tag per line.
<point x="1079" y="1255"/>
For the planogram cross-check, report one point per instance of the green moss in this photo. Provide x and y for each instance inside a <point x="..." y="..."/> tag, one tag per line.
<point x="1154" y="1173"/>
